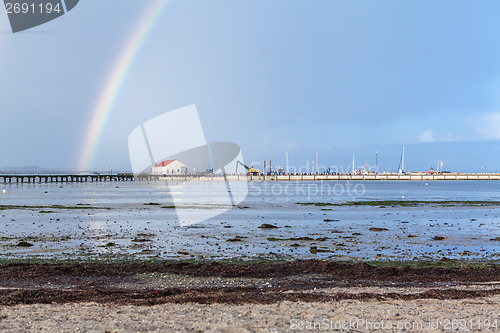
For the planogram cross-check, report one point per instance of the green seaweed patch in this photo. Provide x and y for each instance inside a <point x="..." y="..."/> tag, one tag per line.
<point x="46" y="212"/>
<point x="10" y="207"/>
<point x="76" y="207"/>
<point x="168" y="207"/>
<point x="145" y="235"/>
<point x="303" y="239"/>
<point x="400" y="203"/>
<point x="438" y="238"/>
<point x="315" y="249"/>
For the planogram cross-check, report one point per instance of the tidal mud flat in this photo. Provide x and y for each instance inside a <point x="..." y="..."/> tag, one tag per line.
<point x="127" y="222"/>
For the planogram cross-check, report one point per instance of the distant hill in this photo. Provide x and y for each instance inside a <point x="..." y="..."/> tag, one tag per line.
<point x="27" y="168"/>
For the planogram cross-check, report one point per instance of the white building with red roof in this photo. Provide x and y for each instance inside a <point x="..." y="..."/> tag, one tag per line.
<point x="170" y="167"/>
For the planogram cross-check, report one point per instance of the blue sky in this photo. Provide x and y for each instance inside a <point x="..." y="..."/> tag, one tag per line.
<point x="272" y="76"/>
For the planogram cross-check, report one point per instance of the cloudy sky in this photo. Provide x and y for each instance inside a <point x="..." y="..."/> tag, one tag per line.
<point x="277" y="76"/>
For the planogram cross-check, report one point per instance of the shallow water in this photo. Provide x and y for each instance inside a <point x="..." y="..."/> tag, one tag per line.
<point x="120" y="215"/>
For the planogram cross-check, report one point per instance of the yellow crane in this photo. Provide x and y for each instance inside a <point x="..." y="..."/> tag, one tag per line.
<point x="250" y="169"/>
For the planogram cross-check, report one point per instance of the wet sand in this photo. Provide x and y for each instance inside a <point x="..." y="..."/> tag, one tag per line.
<point x="149" y="230"/>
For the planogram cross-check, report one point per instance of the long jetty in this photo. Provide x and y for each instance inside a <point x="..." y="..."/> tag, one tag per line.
<point x="38" y="178"/>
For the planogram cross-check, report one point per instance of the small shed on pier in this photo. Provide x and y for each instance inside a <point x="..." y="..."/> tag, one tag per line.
<point x="169" y="168"/>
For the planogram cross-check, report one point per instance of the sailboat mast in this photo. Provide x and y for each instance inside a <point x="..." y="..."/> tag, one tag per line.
<point x="352" y="163"/>
<point x="287" y="163"/>
<point x="403" y="160"/>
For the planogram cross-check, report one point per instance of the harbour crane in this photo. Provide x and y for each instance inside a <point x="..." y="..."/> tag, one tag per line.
<point x="250" y="169"/>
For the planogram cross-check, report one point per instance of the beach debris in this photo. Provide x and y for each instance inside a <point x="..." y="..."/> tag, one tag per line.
<point x="268" y="226"/>
<point x="236" y="239"/>
<point x="140" y="240"/>
<point x="495" y="239"/>
<point x="378" y="229"/>
<point x="438" y="238"/>
<point x="314" y="250"/>
<point x="24" y="244"/>
<point x="110" y="244"/>
<point x="329" y="220"/>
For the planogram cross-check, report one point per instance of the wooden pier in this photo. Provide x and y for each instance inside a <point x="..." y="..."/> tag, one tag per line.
<point x="10" y="178"/>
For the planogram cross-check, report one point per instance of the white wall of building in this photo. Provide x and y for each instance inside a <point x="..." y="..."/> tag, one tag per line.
<point x="174" y="168"/>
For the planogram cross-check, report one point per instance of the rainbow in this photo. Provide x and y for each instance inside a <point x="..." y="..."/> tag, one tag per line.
<point x="116" y="78"/>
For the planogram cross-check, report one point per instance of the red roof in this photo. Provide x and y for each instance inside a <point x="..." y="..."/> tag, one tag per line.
<point x="164" y="163"/>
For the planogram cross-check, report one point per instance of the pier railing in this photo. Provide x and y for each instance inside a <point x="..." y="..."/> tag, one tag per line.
<point x="381" y="177"/>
